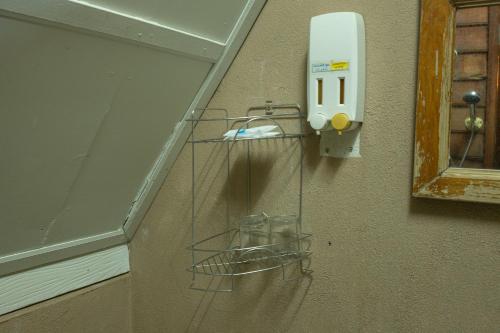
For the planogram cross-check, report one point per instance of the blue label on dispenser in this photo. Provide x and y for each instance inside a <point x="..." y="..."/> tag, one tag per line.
<point x="318" y="68"/>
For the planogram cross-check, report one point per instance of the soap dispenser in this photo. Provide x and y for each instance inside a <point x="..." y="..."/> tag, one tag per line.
<point x="336" y="82"/>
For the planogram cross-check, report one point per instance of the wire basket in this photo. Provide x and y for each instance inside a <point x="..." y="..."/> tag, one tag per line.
<point x="257" y="242"/>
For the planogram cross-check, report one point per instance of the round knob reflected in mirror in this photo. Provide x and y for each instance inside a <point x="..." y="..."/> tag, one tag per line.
<point x="472" y="97"/>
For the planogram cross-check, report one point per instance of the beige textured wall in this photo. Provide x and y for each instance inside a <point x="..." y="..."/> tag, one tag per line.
<point x="395" y="264"/>
<point x="101" y="308"/>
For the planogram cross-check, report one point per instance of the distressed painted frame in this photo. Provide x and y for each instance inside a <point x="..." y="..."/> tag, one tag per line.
<point x="433" y="178"/>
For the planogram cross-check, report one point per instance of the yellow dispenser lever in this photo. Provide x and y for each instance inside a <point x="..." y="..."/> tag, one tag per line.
<point x="341" y="122"/>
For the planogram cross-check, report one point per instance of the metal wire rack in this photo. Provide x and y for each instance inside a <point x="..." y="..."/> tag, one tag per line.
<point x="253" y="242"/>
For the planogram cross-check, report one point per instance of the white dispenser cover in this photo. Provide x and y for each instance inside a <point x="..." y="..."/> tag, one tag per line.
<point x="336" y="65"/>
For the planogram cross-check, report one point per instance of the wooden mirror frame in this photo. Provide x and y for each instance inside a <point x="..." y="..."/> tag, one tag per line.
<point x="432" y="175"/>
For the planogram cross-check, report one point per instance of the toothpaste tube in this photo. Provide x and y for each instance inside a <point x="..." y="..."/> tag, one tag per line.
<point x="252" y="133"/>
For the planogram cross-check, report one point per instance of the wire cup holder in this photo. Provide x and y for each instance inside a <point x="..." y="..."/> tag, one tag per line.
<point x="258" y="242"/>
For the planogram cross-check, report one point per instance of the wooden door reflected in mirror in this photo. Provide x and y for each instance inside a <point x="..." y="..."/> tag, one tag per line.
<point x="474" y="119"/>
<point x="458" y="79"/>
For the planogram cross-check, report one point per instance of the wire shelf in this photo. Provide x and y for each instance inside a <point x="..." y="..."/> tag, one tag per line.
<point x="234" y="262"/>
<point x="218" y="140"/>
<point x="259" y="242"/>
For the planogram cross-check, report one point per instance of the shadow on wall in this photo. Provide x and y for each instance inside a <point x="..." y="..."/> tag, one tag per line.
<point x="313" y="159"/>
<point x="461" y="212"/>
<point x="274" y="177"/>
<point x="288" y="300"/>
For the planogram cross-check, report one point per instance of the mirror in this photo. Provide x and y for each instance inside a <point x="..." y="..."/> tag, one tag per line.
<point x="457" y="125"/>
<point x="474" y="118"/>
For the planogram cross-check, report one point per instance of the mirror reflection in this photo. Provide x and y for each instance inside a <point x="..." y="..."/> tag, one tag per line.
<point x="475" y="118"/>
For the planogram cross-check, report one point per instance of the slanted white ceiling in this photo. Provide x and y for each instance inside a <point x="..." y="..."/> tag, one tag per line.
<point x="91" y="93"/>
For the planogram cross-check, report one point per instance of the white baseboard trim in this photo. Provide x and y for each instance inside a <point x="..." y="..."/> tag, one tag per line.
<point x="29" y="287"/>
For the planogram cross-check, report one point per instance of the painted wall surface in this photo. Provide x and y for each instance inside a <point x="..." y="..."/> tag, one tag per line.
<point x="395" y="264"/>
<point x="102" y="308"/>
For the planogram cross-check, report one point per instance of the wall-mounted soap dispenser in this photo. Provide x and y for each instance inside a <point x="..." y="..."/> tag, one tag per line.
<point x="336" y="82"/>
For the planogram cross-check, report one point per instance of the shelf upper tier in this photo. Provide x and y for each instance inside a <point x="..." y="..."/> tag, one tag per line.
<point x="239" y="123"/>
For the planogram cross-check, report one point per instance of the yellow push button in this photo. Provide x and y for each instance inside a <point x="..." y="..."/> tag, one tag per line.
<point x="341" y="122"/>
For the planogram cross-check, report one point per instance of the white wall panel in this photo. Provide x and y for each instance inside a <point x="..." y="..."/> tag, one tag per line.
<point x="92" y="100"/>
<point x="83" y="119"/>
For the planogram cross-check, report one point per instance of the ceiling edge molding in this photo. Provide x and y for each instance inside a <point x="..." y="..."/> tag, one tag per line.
<point x="85" y="17"/>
